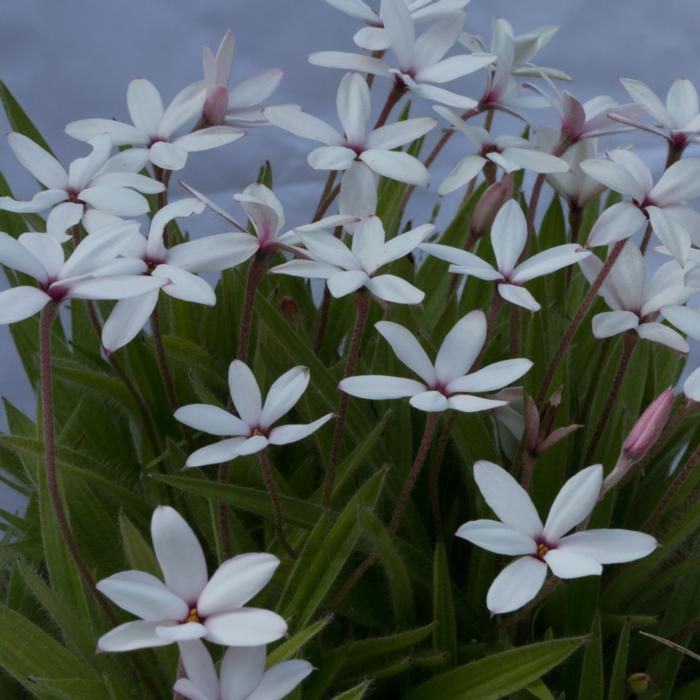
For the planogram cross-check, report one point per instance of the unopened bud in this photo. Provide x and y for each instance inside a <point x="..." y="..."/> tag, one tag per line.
<point x="557" y="435"/>
<point x="639" y="683"/>
<point x="216" y="105"/>
<point x="290" y="309"/>
<point x="532" y="425"/>
<point x="491" y="201"/>
<point x="648" y="427"/>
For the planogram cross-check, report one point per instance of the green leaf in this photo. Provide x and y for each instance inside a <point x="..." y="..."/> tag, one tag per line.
<point x="592" y="682"/>
<point x="73" y="688"/>
<point x="617" y="688"/>
<point x="137" y="551"/>
<point x="499" y="675"/>
<point x="18" y="119"/>
<point x="296" y="643"/>
<point x="445" y="635"/>
<point x="356" y="693"/>
<point x="359" y="653"/>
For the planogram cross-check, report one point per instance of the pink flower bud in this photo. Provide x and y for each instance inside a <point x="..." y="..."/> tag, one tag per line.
<point x="491" y="201"/>
<point x="216" y="105"/>
<point x="649" y="425"/>
<point x="532" y="426"/>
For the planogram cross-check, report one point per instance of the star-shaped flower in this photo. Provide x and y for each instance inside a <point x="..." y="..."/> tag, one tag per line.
<point x="663" y="204"/>
<point x="110" y="184"/>
<point x="635" y="301"/>
<point x="251" y="431"/>
<point x="509" y="152"/>
<point x="508" y="238"/>
<point x="420" y="65"/>
<point x="373" y="148"/>
<point x="154" y="127"/>
<point x="445" y="384"/>
<point x="190" y="605"/>
<point x="348" y="269"/>
<point x="93" y="271"/>
<point x="520" y="532"/>
<point x="242" y="675"/>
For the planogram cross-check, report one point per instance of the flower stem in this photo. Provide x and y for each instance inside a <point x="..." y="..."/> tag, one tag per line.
<point x="256" y="272"/>
<point x="162" y="361"/>
<point x="629" y="343"/>
<point x="362" y="305"/>
<point x="576" y="322"/>
<point x="163" y="176"/>
<point x="395" y="94"/>
<point x="645" y="240"/>
<point x="321" y="207"/>
<point x="401" y="504"/>
<point x="276" y="507"/>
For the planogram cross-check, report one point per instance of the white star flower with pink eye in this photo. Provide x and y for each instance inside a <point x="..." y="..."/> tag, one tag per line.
<point x="348" y="269"/>
<point x="99" y="180"/>
<point x="509" y="152"/>
<point x="678" y="121"/>
<point x="508" y="239"/>
<point x="252" y="430"/>
<point x="93" y="271"/>
<point x="238" y="106"/>
<point x="446" y="384"/>
<point x="520" y="532"/>
<point x="373" y="148"/>
<point x="662" y="204"/>
<point x="636" y="301"/>
<point x="242" y="675"/>
<point x="188" y="604"/>
<point x="420" y="65"/>
<point x="153" y="132"/>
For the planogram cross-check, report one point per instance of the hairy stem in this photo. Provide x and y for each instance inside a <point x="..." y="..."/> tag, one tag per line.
<point x="162" y="361"/>
<point x="362" y="304"/>
<point x="321" y="207"/>
<point x="395" y="94"/>
<point x="276" y="507"/>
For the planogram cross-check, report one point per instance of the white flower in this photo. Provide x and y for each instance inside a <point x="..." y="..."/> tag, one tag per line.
<point x="691" y="386"/>
<point x="688" y="321"/>
<point x="446" y="383"/>
<point x="190" y="605"/>
<point x="238" y="106"/>
<point x="636" y="301"/>
<point x="678" y="121"/>
<point x="662" y="204"/>
<point x="154" y="127"/>
<point x="93" y="271"/>
<point x="242" y="675"/>
<point x="420" y="62"/>
<point x="347" y="270"/>
<point x="508" y="238"/>
<point x="520" y="532"/>
<point x="509" y="152"/>
<point x="252" y="432"/>
<point x="110" y="184"/>
<point x="174" y="268"/>
<point x="373" y="148"/>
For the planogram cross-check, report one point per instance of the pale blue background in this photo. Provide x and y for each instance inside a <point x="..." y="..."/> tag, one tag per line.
<point x="73" y="59"/>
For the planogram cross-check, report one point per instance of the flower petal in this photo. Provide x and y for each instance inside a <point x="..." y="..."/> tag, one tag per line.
<point x="41" y="164"/>
<point x="610" y="323"/>
<point x="461" y="346"/>
<point x="614" y="176"/>
<point x="199" y="668"/>
<point x="331" y="158"/>
<point x="346" y="282"/>
<point x="354" y="107"/>
<point x="119" y="201"/>
<point x="609" y="545"/>
<point x="168" y="156"/>
<point x="39" y="202"/>
<point x="245" y="627"/>
<point x="519" y="296"/>
<point x="214" y="253"/>
<point x="407" y="349"/>
<point x="465" y="171"/>
<point x="350" y="61"/>
<point x="211" y="137"/>
<point x="377" y="386"/>
<point x="399" y="134"/>
<point x="281" y="679"/>
<point x="187" y="689"/>
<point x="497" y="537"/>
<point x="183" y="632"/>
<point x="242" y="669"/>
<point x="285" y="434"/>
<point x="27" y="258"/>
<point x="283" y="395"/>
<point x="121" y="134"/>
<point x="19" y="303"/>
<point x="245" y="392"/>
<point x="430" y="401"/>
<point x="395" y="289"/>
<point x="492" y="377"/>
<point x="680" y="183"/>
<point x="211" y="419"/>
<point x="516" y="585"/>
<point x="549" y="261"/>
<point x="691" y="386"/>
<point x="508" y="236"/>
<point x="216" y="453"/>
<point x="646" y="97"/>
<point x="398" y="25"/>
<point x="453" y="67"/>
<point x="396" y="165"/>
<point x="131" y="635"/>
<point x="127" y="318"/>
<point x="255" y="89"/>
<point x="659" y="333"/>
<point x="565" y="564"/>
<point x="145" y="105"/>
<point x="473" y="404"/>
<point x="616" y="223"/>
<point x="302" y="124"/>
<point x="358" y="192"/>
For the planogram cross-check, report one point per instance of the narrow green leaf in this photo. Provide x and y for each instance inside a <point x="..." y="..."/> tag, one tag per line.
<point x="296" y="643"/>
<point x="356" y="693"/>
<point x="618" y="676"/>
<point x="445" y="634"/>
<point x="18" y="119"/>
<point x="592" y="682"/>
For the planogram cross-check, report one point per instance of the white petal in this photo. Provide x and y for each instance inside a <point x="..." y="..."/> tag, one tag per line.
<point x="119" y="201"/>
<point x="117" y="287"/>
<point x="242" y="669"/>
<point x="283" y="395"/>
<point x="168" y="156"/>
<point x="358" y="191"/>
<point x="397" y="165"/>
<point x="516" y="585"/>
<point x="609" y="546"/>
<point x="453" y="67"/>
<point x="642" y="95"/>
<point x="506" y="498"/>
<point x="179" y="554"/>
<point x="308" y="269"/>
<point x="614" y="176"/>
<point x="367" y="242"/>
<point x="682" y="102"/>
<point x="185" y="106"/>
<point x="439" y="38"/>
<point x="616" y="223"/>
<point x="680" y="183"/>
<point x="211" y="137"/>
<point x="285" y="434"/>
<point x="214" y="253"/>
<point x="354" y="106"/>
<point x="610" y="323"/>
<point x="446" y="97"/>
<point x="41" y="164"/>
<point x="19" y="303"/>
<point x="82" y="170"/>
<point x="39" y="202"/>
<point x="671" y="233"/>
<point x="216" y="453"/>
<point x="235" y="582"/>
<point x="187" y="689"/>
<point x="185" y="631"/>
<point x="461" y="346"/>
<point x="465" y="171"/>
<point x="400" y="30"/>
<point x="508" y="236"/>
<point x="574" y="502"/>
<point x="659" y="333"/>
<point x="199" y="669"/>
<point x="95" y="251"/>
<point x="325" y="247"/>
<point x="253" y="90"/>
<point x="281" y="679"/>
<point x="492" y="377"/>
<point x="403" y="244"/>
<point x="120" y="133"/>
<point x="462" y="259"/>
<point x="263" y="209"/>
<point x="407" y="349"/>
<point x="211" y="419"/>
<point x="245" y="627"/>
<point x="245" y="392"/>
<point x="185" y="285"/>
<point x="131" y="635"/>
<point x="331" y="158"/>
<point x="128" y="317"/>
<point x="684" y="318"/>
<point x="691" y="386"/>
<point x="565" y="564"/>
<point x="497" y="537"/>
<point x="635" y="166"/>
<point x="549" y="261"/>
<point x="354" y="8"/>
<point x="26" y="258"/>
<point x="473" y="404"/>
<point x="519" y="296"/>
<point x="302" y="124"/>
<point x="399" y="134"/>
<point x="430" y="401"/>
<point x="394" y="289"/>
<point x="143" y="595"/>
<point x="536" y="161"/>
<point x="349" y="61"/>
<point x="346" y="282"/>
<point x="145" y="105"/>
<point x="63" y="217"/>
<point x="377" y="386"/>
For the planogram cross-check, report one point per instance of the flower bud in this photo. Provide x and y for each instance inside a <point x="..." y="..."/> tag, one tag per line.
<point x="648" y="427"/>
<point x="639" y="683"/>
<point x="487" y="207"/>
<point x="290" y="309"/>
<point x="216" y="105"/>
<point x="532" y="425"/>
